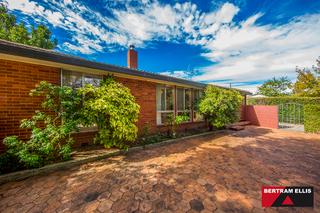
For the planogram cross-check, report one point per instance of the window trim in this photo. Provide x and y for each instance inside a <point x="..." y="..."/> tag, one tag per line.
<point x="159" y="87"/>
<point x="83" y="75"/>
<point x="175" y="110"/>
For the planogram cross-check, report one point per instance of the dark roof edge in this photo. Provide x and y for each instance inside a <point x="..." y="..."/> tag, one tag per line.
<point x="12" y="48"/>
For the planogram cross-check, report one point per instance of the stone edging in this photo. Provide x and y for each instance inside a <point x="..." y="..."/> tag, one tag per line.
<point x="20" y="175"/>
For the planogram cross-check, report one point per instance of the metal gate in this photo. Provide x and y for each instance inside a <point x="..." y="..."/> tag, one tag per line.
<point x="291" y="116"/>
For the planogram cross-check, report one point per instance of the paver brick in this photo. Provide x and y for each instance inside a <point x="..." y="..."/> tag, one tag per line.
<point x="208" y="174"/>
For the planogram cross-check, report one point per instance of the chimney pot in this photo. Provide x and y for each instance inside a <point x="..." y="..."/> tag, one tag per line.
<point x="132" y="58"/>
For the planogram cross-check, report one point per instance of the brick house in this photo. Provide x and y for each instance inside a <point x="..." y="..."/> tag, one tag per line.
<point x="23" y="67"/>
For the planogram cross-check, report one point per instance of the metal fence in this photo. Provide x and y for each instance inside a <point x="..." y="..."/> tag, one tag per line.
<point x="291" y="113"/>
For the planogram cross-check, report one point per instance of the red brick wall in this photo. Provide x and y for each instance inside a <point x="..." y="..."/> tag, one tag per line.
<point x="83" y="138"/>
<point x="16" y="81"/>
<point x="265" y="116"/>
<point x="145" y="94"/>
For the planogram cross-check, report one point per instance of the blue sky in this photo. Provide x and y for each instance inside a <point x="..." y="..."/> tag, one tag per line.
<point x="221" y="42"/>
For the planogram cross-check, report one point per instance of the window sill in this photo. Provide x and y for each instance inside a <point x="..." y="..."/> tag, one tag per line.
<point x="199" y="121"/>
<point x="163" y="125"/>
<point x="87" y="129"/>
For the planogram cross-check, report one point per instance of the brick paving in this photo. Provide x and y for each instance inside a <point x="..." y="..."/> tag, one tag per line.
<point x="217" y="173"/>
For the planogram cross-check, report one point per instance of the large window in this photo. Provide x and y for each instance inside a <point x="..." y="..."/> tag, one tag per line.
<point x="165" y="103"/>
<point x="184" y="102"/>
<point x="78" y="79"/>
<point x="177" y="101"/>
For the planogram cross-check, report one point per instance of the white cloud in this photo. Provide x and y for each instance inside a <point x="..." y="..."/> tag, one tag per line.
<point x="32" y="8"/>
<point x="250" y="52"/>
<point x="224" y="15"/>
<point x="240" y="51"/>
<point x="177" y="74"/>
<point x="90" y="29"/>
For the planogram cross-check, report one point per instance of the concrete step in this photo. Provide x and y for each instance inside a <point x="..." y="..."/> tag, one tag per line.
<point x="236" y="128"/>
<point x="238" y="125"/>
<point x="241" y="123"/>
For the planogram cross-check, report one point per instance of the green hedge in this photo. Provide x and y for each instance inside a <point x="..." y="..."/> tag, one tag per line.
<point x="283" y="100"/>
<point x="312" y="118"/>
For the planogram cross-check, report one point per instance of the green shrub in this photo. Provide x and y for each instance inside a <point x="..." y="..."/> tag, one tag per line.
<point x="173" y="123"/>
<point x="51" y="128"/>
<point x="112" y="108"/>
<point x="220" y="106"/>
<point x="312" y="118"/>
<point x="283" y="100"/>
<point x="151" y="139"/>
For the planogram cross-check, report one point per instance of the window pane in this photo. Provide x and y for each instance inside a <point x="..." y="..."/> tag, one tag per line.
<point x="92" y="79"/>
<point x="72" y="79"/>
<point x="187" y="99"/>
<point x="195" y="95"/>
<point x="197" y="116"/>
<point x="169" y="98"/>
<point x="161" y="98"/>
<point x="185" y="113"/>
<point x="165" y="116"/>
<point x="196" y="98"/>
<point x="180" y="99"/>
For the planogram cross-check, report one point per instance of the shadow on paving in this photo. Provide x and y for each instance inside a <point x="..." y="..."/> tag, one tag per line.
<point x="220" y="172"/>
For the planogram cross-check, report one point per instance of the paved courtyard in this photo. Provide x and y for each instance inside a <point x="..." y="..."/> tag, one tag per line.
<point x="217" y="173"/>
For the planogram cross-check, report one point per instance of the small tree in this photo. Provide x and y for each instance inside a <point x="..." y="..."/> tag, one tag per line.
<point x="112" y="108"/>
<point x="173" y="123"/>
<point x="11" y="31"/>
<point x="220" y="106"/>
<point x="51" y="128"/>
<point x="275" y="87"/>
<point x="308" y="81"/>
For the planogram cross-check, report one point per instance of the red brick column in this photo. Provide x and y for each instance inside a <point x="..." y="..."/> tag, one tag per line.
<point x="265" y="116"/>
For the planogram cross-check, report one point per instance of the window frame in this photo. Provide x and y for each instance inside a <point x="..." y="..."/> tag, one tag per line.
<point x="159" y="112"/>
<point x="175" y="110"/>
<point x="83" y="76"/>
<point x="189" y="111"/>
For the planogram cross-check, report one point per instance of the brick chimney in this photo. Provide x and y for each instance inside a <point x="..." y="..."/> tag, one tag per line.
<point x="132" y="58"/>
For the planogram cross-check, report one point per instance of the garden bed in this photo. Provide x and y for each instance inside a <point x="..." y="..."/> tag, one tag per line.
<point x="94" y="153"/>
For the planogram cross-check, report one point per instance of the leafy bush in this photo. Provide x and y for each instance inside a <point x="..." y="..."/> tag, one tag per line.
<point x="312" y="118"/>
<point x="51" y="128"/>
<point x="145" y="132"/>
<point x="283" y="100"/>
<point x="151" y="139"/>
<point x="174" y="121"/>
<point x="220" y="106"/>
<point x="112" y="108"/>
